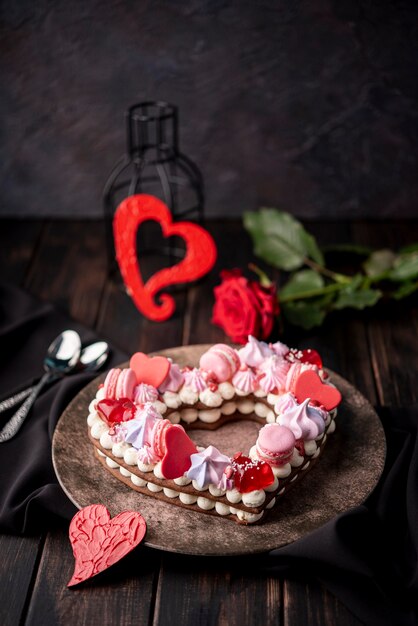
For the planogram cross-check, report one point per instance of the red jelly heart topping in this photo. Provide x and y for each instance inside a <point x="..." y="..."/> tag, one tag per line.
<point x="178" y="450"/>
<point x="116" y="411"/>
<point x="249" y="475"/>
<point x="305" y="356"/>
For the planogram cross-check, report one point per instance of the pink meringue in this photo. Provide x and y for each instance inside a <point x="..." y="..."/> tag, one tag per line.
<point x="145" y="393"/>
<point x="118" y="433"/>
<point x="194" y="379"/>
<point x="173" y="380"/>
<point x="254" y="353"/>
<point x="279" y="348"/>
<point x="245" y="380"/>
<point x="275" y="371"/>
<point x="139" y="430"/>
<point x="306" y="422"/>
<point x="286" y="402"/>
<point x="208" y="466"/>
<point x="147" y="455"/>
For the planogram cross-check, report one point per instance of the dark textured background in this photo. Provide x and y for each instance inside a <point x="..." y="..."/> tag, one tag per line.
<point x="310" y="106"/>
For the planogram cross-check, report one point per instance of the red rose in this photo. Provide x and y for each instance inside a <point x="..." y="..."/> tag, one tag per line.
<point x="243" y="307"/>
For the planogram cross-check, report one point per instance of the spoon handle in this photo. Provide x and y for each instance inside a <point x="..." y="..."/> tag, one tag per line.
<point x="15" y="422"/>
<point x="13" y="400"/>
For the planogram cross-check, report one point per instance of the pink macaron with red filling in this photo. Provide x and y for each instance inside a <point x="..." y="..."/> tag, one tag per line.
<point x="275" y="444"/>
<point x="221" y="361"/>
<point x="110" y="383"/>
<point x="158" y="437"/>
<point x="126" y="384"/>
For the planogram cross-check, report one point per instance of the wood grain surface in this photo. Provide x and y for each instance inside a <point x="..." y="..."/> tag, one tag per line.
<point x="369" y="349"/>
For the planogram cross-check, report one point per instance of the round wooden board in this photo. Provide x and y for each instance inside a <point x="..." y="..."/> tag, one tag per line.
<point x="344" y="476"/>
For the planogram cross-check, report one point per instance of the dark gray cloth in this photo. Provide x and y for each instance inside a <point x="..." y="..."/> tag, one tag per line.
<point x="28" y="485"/>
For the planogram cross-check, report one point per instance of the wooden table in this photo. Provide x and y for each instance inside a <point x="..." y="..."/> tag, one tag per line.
<point x="65" y="262"/>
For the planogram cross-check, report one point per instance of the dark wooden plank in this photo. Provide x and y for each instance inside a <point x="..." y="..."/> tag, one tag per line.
<point x="225" y="592"/>
<point x="70" y="268"/>
<point x="18" y="240"/>
<point x="19" y="559"/>
<point x="122" y="595"/>
<point x="392" y="326"/>
<point x="309" y="603"/>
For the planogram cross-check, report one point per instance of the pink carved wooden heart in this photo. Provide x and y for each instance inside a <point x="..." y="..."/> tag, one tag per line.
<point x="99" y="541"/>
<point x="198" y="261"/>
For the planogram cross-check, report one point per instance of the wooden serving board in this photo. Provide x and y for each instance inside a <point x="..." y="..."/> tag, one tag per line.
<point x="344" y="476"/>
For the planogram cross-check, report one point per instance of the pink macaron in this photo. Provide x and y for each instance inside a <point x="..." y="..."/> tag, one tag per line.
<point x="158" y="437"/>
<point x="126" y="384"/>
<point x="111" y="382"/>
<point x="275" y="444"/>
<point x="220" y="360"/>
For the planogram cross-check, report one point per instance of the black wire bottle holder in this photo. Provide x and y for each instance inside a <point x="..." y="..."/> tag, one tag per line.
<point x="154" y="164"/>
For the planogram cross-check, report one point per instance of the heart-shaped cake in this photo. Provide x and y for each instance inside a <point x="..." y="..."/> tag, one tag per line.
<point x="148" y="447"/>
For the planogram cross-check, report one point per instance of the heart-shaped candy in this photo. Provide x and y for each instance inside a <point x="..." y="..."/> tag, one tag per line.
<point x="149" y="370"/>
<point x="199" y="258"/>
<point x="99" y="541"/>
<point x="178" y="449"/>
<point x="309" y="385"/>
<point x="114" y="411"/>
<point x="249" y="474"/>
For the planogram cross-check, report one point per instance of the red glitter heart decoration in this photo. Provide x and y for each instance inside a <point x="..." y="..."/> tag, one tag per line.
<point x="99" y="541"/>
<point x="115" y="411"/>
<point x="309" y="385"/>
<point x="249" y="475"/>
<point x="199" y="258"/>
<point x="179" y="448"/>
<point x="149" y="370"/>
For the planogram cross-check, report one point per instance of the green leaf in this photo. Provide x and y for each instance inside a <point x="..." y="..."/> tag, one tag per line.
<point x="300" y="283"/>
<point x="405" y="290"/>
<point x="280" y="239"/>
<point x="312" y="249"/>
<point x="357" y="299"/>
<point x="405" y="267"/>
<point x="305" y="314"/>
<point x="413" y="247"/>
<point x="379" y="262"/>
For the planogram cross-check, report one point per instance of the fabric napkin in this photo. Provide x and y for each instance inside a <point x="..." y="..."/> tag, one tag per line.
<point x="30" y="495"/>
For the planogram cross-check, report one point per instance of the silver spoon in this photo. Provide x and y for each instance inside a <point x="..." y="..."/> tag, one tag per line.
<point x="62" y="356"/>
<point x="92" y="357"/>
